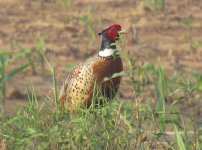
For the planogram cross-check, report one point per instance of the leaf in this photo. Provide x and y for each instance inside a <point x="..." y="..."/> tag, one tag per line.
<point x="159" y="86"/>
<point x="17" y="45"/>
<point x="41" y="44"/>
<point x="23" y="53"/>
<point x="113" y="44"/>
<point x="149" y="67"/>
<point x="115" y="55"/>
<point x="4" y="61"/>
<point x="70" y="67"/>
<point x="115" y="75"/>
<point x="4" y="53"/>
<point x="199" y="83"/>
<point x="122" y="73"/>
<point x="31" y="130"/>
<point x="13" y="120"/>
<point x="106" y="79"/>
<point x="180" y="99"/>
<point x="66" y="3"/>
<point x="13" y="73"/>
<point x="187" y="23"/>
<point x="159" y="4"/>
<point x="180" y="142"/>
<point x="197" y="44"/>
<point x="175" y="92"/>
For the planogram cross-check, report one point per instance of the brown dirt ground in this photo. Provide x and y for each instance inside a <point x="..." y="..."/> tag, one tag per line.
<point x="159" y="35"/>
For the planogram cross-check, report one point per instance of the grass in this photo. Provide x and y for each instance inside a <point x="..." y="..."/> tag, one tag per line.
<point x="65" y="3"/>
<point x="195" y="44"/>
<point x="30" y="55"/>
<point x="118" y="124"/>
<point x="5" y="60"/>
<point x="90" y="23"/>
<point x="155" y="4"/>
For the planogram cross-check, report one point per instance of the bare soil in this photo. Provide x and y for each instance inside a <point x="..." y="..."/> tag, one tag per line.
<point x="68" y="40"/>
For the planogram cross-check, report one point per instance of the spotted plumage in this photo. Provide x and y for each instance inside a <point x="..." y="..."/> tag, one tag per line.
<point x="77" y="90"/>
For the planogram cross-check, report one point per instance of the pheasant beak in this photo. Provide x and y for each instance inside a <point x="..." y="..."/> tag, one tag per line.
<point x="122" y="32"/>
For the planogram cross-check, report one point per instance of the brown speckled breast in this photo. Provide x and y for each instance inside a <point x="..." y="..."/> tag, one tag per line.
<point x="77" y="90"/>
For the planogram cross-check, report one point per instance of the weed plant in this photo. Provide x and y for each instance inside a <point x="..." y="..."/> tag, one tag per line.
<point x="194" y="44"/>
<point x="117" y="124"/>
<point x="66" y="3"/>
<point x="89" y="23"/>
<point x="155" y="4"/>
<point x="32" y="55"/>
<point x="5" y="60"/>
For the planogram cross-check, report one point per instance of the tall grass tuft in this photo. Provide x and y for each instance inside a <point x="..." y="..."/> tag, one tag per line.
<point x="5" y="60"/>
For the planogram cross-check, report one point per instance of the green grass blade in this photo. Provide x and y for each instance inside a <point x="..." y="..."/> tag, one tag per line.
<point x="180" y="142"/>
<point x="159" y="86"/>
<point x="13" y="73"/>
<point x="4" y="53"/>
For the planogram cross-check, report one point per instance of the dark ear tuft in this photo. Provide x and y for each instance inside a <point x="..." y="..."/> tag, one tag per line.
<point x="100" y="33"/>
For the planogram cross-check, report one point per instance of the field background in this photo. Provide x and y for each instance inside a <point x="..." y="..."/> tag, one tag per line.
<point x="165" y="44"/>
<point x="153" y="35"/>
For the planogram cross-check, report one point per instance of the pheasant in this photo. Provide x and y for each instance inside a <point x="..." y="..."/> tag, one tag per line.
<point x="77" y="90"/>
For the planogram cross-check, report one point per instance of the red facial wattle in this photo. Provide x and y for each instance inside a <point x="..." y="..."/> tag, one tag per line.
<point x="113" y="32"/>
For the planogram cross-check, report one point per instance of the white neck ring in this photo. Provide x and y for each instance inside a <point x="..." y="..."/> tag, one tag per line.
<point x="106" y="52"/>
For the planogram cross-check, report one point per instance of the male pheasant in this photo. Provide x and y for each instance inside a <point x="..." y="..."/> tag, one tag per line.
<point x="78" y="88"/>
